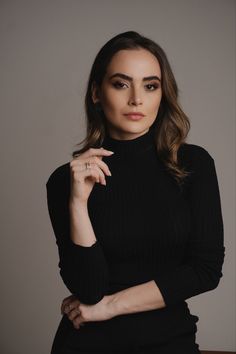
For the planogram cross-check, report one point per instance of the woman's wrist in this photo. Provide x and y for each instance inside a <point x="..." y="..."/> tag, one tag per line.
<point x="112" y="305"/>
<point x="76" y="204"/>
<point x="81" y="230"/>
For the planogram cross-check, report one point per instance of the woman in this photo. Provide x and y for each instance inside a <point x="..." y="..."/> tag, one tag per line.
<point x="136" y="212"/>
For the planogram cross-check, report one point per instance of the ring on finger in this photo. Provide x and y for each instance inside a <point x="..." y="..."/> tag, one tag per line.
<point x="87" y="165"/>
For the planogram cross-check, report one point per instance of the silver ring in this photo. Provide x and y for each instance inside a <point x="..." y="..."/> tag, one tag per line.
<point x="87" y="165"/>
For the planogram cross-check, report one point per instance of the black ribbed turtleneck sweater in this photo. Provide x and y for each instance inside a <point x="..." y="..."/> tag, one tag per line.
<point x="147" y="228"/>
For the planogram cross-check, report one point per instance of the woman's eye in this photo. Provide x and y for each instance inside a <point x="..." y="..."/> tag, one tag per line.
<point x="121" y="85"/>
<point x="118" y="84"/>
<point x="152" y="87"/>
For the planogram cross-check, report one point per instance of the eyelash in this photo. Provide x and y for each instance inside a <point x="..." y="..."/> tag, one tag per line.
<point x="118" y="83"/>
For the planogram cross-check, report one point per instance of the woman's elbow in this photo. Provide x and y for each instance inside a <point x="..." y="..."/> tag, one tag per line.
<point x="210" y="280"/>
<point x="88" y="295"/>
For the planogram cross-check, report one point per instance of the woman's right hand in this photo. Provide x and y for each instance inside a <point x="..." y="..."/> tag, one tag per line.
<point x="82" y="178"/>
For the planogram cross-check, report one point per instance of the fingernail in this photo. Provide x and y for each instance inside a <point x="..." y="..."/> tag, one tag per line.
<point x="110" y="152"/>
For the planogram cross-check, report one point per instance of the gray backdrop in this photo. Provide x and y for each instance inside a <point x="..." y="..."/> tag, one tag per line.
<point x="47" y="49"/>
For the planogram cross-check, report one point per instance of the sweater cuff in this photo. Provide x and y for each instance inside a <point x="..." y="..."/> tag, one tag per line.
<point x="84" y="248"/>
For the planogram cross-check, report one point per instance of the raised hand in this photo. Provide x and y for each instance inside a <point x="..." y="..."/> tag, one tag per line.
<point x="86" y="169"/>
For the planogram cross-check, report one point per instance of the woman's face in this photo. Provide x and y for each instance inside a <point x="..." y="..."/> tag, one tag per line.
<point x="132" y="84"/>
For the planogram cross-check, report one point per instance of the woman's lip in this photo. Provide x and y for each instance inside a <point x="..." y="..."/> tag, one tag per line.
<point x="134" y="116"/>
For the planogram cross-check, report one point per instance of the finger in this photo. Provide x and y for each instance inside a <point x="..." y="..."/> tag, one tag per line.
<point x="68" y="298"/>
<point x="94" y="171"/>
<point x="74" y="313"/>
<point x="102" y="165"/>
<point x="96" y="151"/>
<point x="93" y="160"/>
<point x="66" y="309"/>
<point x="66" y="301"/>
<point x="70" y="305"/>
<point x="90" y="153"/>
<point x="98" y="165"/>
<point x="102" y="178"/>
<point x="78" y="321"/>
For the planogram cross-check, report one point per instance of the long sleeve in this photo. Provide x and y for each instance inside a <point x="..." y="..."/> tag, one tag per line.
<point x="147" y="228"/>
<point x="83" y="269"/>
<point x="204" y="255"/>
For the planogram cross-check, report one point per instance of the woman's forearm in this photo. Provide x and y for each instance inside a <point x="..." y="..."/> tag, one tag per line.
<point x="143" y="297"/>
<point x="80" y="225"/>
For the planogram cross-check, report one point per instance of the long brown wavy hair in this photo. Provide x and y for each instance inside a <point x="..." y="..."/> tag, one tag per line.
<point x="171" y="124"/>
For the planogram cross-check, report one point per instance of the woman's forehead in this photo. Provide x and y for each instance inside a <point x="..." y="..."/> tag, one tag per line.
<point x="135" y="62"/>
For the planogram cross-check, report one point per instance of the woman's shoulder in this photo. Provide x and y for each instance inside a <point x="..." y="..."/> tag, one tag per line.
<point x="59" y="176"/>
<point x="192" y="154"/>
<point x="198" y="161"/>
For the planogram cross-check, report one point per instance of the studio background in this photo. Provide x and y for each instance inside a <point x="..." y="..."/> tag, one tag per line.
<point x="47" y="49"/>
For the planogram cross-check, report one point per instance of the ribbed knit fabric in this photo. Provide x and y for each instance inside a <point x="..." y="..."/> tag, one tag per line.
<point x="147" y="228"/>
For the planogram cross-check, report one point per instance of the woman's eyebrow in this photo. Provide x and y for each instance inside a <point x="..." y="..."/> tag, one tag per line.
<point x="126" y="77"/>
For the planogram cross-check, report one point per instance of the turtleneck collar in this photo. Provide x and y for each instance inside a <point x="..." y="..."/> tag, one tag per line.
<point x="131" y="146"/>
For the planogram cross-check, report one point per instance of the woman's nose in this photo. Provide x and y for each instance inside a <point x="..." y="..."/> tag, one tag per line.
<point x="135" y="98"/>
